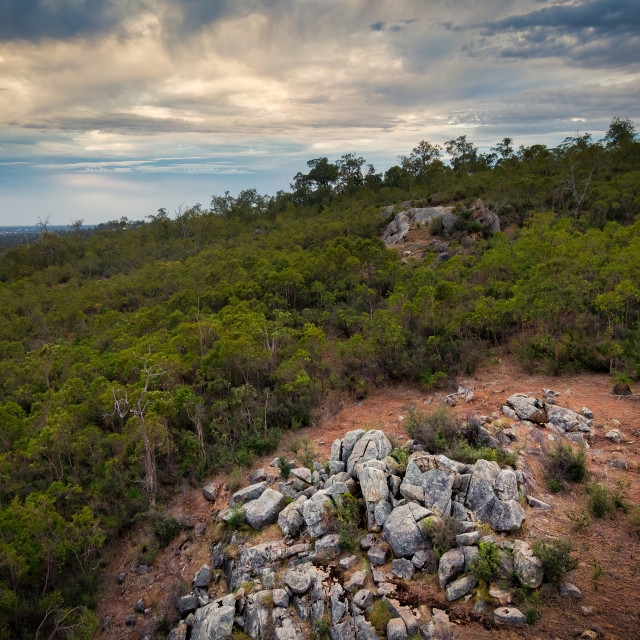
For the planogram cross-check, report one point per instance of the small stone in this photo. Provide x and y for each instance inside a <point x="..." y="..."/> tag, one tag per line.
<point x="356" y="581"/>
<point x="377" y="554"/>
<point x="396" y="629"/>
<point x="403" y="568"/>
<point x="298" y="581"/>
<point x="366" y="542"/>
<point x="138" y="607"/>
<point x="202" y="577"/>
<point x="461" y="587"/>
<point x="588" y="635"/>
<point x="614" y="435"/>
<point x="210" y="491"/>
<point x="617" y="463"/>
<point x="259" y="475"/>
<point x="121" y="577"/>
<point x="363" y="599"/>
<point x="568" y="589"/>
<point x="280" y="598"/>
<point x="509" y="615"/>
<point x="464" y="539"/>
<point x="143" y="569"/>
<point x="131" y="620"/>
<point x="347" y="562"/>
<point x="587" y="610"/>
<point x="538" y="504"/>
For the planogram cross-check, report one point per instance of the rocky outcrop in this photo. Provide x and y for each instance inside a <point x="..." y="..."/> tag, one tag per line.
<point x="397" y="230"/>
<point x="264" y="511"/>
<point x="213" y="622"/>
<point x="402" y="529"/>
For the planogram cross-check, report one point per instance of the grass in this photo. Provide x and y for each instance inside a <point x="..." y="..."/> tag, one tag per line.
<point x="380" y="616"/>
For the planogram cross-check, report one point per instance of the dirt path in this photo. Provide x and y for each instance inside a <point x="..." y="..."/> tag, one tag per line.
<point x="611" y="602"/>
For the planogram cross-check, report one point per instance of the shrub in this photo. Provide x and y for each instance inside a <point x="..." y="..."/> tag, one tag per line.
<point x="603" y="500"/>
<point x="634" y="520"/>
<point x="401" y="456"/>
<point x="566" y="466"/>
<point x="580" y="519"/>
<point x="380" y="616"/>
<point x="436" y="431"/>
<point x="486" y="566"/>
<point x="530" y="597"/>
<point x="321" y="630"/>
<point x="235" y="479"/>
<point x="348" y="515"/>
<point x="308" y="454"/>
<point x="165" y="528"/>
<point x="443" y="532"/>
<point x="556" y="558"/>
<point x="284" y="466"/>
<point x="236" y="520"/>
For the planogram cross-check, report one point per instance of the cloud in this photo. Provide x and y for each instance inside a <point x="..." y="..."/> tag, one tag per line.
<point x="598" y="33"/>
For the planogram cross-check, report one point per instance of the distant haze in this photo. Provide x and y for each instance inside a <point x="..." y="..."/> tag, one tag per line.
<point x="116" y="108"/>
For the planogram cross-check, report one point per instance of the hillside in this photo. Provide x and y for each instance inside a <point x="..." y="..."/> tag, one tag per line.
<point x="139" y="359"/>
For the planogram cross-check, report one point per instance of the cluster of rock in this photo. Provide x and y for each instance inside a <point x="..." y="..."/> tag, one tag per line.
<point x="546" y="412"/>
<point x="396" y="231"/>
<point x="281" y="589"/>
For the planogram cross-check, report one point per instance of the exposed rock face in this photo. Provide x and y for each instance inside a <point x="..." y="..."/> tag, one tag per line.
<point x="402" y="531"/>
<point x="349" y="442"/>
<point x="566" y="419"/>
<point x="397" y="229"/>
<point x="264" y="511"/>
<point x="488" y="482"/>
<point x="252" y="492"/>
<point x="373" y="445"/>
<point x="212" y="622"/>
<point x="290" y="519"/>
<point x="527" y="567"/>
<point x="373" y="484"/>
<point x="528" y="408"/>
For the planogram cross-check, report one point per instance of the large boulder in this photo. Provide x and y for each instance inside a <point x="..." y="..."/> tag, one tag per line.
<point x="316" y="514"/>
<point x="437" y="487"/>
<point x="452" y="564"/>
<point x="373" y="445"/>
<point x="349" y="442"/>
<point x="252" y="492"/>
<point x="290" y="519"/>
<point x="373" y="484"/>
<point x="212" y="622"/>
<point x="488" y="482"/>
<point x="429" y="479"/>
<point x="528" y="408"/>
<point x="265" y="509"/>
<point x="565" y="419"/>
<point x="526" y="566"/>
<point x="402" y="529"/>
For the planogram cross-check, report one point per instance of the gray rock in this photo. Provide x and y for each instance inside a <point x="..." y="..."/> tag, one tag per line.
<point x="138" y="607"/>
<point x="452" y="564"/>
<point x="187" y="604"/>
<point x="587" y="413"/>
<point x="509" y="412"/>
<point x="259" y="475"/>
<point x="465" y="539"/>
<point x="264" y="511"/>
<point x="373" y="484"/>
<point x="122" y="576"/>
<point x="344" y="630"/>
<point x="367" y="541"/>
<point x="509" y="615"/>
<point x="568" y="589"/>
<point x="363" y="599"/>
<point x="347" y="562"/>
<point x="617" y="463"/>
<point x="403" y="568"/>
<point x="401" y="529"/>
<point x="316" y="515"/>
<point x="528" y="408"/>
<point x="212" y="622"/>
<point x="355" y="582"/>
<point x="179" y="632"/>
<point x="252" y="492"/>
<point x="535" y="503"/>
<point x="373" y="445"/>
<point x="302" y="473"/>
<point x="280" y="598"/>
<point x="349" y="442"/>
<point x="437" y="487"/>
<point x="131" y="620"/>
<point x="377" y="555"/>
<point x="564" y="419"/>
<point x="290" y="519"/>
<point x="336" y="466"/>
<point x="461" y="587"/>
<point x="505" y="485"/>
<point x="426" y="560"/>
<point x="381" y="512"/>
<point x="302" y="608"/>
<point x="288" y="629"/>
<point x="328" y="546"/>
<point x="202" y="577"/>
<point x="336" y="451"/>
<point x="412" y="492"/>
<point x="614" y="435"/>
<point x="364" y="629"/>
<point x="256" y="614"/>
<point x="210" y="491"/>
<point x="298" y="581"/>
<point x="396" y="629"/>
<point x="527" y="567"/>
<point x="339" y="605"/>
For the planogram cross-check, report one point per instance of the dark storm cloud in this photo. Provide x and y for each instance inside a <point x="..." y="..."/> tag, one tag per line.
<point x="36" y="19"/>
<point x="602" y="33"/>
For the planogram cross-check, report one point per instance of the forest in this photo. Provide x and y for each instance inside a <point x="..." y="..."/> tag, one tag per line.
<point x="141" y="356"/>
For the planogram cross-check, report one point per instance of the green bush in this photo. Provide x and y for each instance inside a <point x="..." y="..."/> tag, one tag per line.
<point x="165" y="528"/>
<point x="321" y="630"/>
<point x="486" y="566"/>
<point x="604" y="500"/>
<point x="236" y="520"/>
<point x="437" y="431"/>
<point x="285" y="467"/>
<point x="443" y="532"/>
<point x="556" y="558"/>
<point x="348" y="515"/>
<point x="566" y="465"/>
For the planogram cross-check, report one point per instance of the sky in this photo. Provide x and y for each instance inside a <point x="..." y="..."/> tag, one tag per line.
<point x="112" y="108"/>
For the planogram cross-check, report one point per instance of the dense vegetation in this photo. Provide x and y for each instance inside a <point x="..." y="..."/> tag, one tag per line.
<point x="148" y="353"/>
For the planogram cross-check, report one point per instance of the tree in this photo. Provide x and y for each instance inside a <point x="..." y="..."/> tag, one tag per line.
<point x="420" y="158"/>
<point x="464" y="155"/>
<point x="621" y="131"/>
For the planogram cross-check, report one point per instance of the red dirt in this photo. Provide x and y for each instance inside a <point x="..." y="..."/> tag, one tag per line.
<point x="609" y="543"/>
